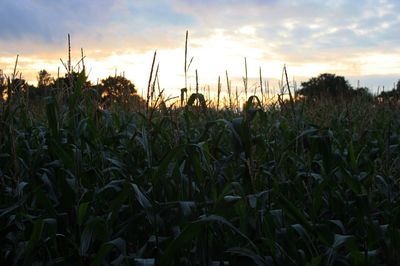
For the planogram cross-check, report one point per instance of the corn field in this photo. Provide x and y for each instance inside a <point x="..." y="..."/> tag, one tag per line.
<point x="294" y="183"/>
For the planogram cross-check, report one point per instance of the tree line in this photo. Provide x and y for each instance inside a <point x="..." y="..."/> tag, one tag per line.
<point x="332" y="86"/>
<point x="120" y="90"/>
<point x="113" y="89"/>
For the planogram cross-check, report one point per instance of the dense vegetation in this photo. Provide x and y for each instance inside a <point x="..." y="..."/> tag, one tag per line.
<point x="111" y="90"/>
<point x="330" y="86"/>
<point x="307" y="182"/>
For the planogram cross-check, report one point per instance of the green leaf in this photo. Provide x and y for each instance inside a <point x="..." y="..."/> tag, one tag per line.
<point x="244" y="252"/>
<point x="59" y="152"/>
<point x="35" y="238"/>
<point x="181" y="241"/>
<point x="294" y="212"/>
<point x="106" y="248"/>
<point x="187" y="207"/>
<point x="145" y="262"/>
<point x="222" y="220"/>
<point x="231" y="199"/>
<point x="191" y="231"/>
<point x="82" y="211"/>
<point x="200" y="98"/>
<point x="94" y="229"/>
<point x="340" y="240"/>
<point x="142" y="198"/>
<point x="52" y="118"/>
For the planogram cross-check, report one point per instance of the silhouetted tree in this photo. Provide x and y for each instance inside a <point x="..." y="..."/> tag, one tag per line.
<point x="326" y="85"/>
<point x="44" y="85"/>
<point x="116" y="89"/>
<point x="392" y="96"/>
<point x="44" y="79"/>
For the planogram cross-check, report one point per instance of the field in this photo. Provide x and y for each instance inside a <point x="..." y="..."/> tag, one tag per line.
<point x="292" y="183"/>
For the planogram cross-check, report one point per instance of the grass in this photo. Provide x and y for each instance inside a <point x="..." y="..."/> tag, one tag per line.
<point x="295" y="183"/>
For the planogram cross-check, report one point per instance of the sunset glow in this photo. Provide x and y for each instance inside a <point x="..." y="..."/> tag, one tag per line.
<point x="342" y="37"/>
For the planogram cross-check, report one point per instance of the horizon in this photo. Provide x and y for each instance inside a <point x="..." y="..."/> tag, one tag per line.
<point x="309" y="37"/>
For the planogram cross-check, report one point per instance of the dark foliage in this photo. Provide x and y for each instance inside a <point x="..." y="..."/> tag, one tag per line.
<point x="326" y="85"/>
<point x="115" y="89"/>
<point x="195" y="186"/>
<point x="391" y="96"/>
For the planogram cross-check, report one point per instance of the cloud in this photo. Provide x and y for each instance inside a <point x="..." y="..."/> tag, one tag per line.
<point x="47" y="20"/>
<point x="144" y="25"/>
<point x="16" y="21"/>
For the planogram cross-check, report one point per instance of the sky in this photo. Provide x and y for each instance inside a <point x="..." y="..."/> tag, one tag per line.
<point x="358" y="39"/>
